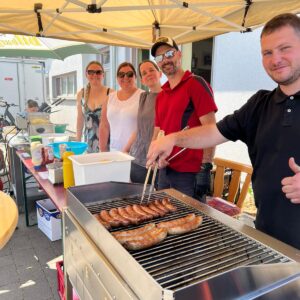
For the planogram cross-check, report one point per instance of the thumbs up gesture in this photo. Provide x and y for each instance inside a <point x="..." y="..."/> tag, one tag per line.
<point x="291" y="185"/>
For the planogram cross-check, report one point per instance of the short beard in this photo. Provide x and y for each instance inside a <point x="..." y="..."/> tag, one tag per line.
<point x="170" y="71"/>
<point x="290" y="80"/>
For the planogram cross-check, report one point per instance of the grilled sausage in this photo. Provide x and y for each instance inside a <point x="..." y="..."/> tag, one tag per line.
<point x="148" y="210"/>
<point x="162" y="207"/>
<point x="106" y="217"/>
<point x="176" y="222"/>
<point x="167" y="203"/>
<point x="156" y="209"/>
<point x="115" y="215"/>
<point x="104" y="223"/>
<point x="186" y="227"/>
<point x="133" y="232"/>
<point x="133" y="213"/>
<point x="148" y="231"/>
<point x="147" y="241"/>
<point x="138" y="209"/>
<point x="133" y="220"/>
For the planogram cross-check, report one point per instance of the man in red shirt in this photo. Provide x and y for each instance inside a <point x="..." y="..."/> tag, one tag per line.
<point x="186" y="100"/>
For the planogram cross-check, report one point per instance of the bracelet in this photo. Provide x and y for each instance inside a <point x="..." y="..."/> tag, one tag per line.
<point x="206" y="166"/>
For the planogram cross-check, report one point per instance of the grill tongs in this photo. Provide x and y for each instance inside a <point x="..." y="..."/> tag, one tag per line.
<point x="160" y="134"/>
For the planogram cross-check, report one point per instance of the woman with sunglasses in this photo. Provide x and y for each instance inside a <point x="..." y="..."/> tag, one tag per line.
<point x="139" y="141"/>
<point x="89" y="105"/>
<point x="119" y="113"/>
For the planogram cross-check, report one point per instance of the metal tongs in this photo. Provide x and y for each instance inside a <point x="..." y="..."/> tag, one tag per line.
<point x="160" y="134"/>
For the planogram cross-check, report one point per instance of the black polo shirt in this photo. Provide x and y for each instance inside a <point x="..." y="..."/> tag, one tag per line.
<point x="269" y="124"/>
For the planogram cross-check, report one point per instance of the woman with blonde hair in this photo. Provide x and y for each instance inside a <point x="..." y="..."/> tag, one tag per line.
<point x="119" y="113"/>
<point x="89" y="105"/>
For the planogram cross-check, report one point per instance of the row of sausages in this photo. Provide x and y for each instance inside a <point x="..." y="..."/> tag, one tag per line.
<point x="135" y="214"/>
<point x="152" y="234"/>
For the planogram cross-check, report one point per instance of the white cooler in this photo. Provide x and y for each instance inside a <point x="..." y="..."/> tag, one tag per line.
<point x="101" y="167"/>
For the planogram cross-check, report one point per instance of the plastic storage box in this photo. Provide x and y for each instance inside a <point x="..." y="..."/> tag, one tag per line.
<point x="101" y="167"/>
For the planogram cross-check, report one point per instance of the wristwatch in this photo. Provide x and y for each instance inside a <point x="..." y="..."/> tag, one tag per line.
<point x="206" y="166"/>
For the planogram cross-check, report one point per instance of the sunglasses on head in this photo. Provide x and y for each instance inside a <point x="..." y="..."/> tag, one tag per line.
<point x="128" y="74"/>
<point x="94" y="72"/>
<point x="168" y="54"/>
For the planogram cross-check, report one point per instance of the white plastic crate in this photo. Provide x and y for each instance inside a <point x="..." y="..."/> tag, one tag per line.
<point x="101" y="167"/>
<point x="49" y="219"/>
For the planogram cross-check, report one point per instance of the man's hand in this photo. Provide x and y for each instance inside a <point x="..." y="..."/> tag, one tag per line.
<point x="291" y="185"/>
<point x="160" y="149"/>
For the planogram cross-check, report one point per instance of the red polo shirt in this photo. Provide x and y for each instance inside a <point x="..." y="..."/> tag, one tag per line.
<point x="181" y="106"/>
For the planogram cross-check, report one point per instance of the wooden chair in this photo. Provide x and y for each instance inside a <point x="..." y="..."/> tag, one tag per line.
<point x="8" y="218"/>
<point x="237" y="169"/>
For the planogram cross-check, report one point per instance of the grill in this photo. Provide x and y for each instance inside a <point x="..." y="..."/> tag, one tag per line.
<point x="219" y="245"/>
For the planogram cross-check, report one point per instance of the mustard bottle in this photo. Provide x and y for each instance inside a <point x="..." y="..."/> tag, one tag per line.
<point x="68" y="170"/>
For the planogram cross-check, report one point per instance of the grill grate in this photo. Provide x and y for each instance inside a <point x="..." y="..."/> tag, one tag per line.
<point x="182" y="260"/>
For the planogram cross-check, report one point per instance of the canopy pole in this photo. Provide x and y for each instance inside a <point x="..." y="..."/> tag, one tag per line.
<point x="248" y="4"/>
<point x="37" y="7"/>
<point x="155" y="31"/>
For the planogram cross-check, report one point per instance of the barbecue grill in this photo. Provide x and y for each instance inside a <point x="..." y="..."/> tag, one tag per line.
<point x="181" y="267"/>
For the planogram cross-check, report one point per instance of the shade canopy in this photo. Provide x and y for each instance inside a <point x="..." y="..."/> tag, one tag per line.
<point x="136" y="23"/>
<point x="30" y="46"/>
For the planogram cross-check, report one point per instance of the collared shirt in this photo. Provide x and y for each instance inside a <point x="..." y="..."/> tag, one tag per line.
<point x="183" y="105"/>
<point x="269" y="123"/>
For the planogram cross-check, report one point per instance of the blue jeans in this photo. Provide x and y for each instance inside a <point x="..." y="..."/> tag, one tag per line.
<point x="181" y="181"/>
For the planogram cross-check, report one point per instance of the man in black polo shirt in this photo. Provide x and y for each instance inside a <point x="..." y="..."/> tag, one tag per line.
<point x="269" y="124"/>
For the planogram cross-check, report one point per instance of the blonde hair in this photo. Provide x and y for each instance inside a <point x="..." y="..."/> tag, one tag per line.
<point x="86" y="90"/>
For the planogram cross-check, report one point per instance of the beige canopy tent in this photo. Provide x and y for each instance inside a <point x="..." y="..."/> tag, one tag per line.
<point x="136" y="23"/>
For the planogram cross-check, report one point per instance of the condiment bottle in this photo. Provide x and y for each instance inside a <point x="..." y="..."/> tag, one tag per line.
<point x="68" y="170"/>
<point x="36" y="154"/>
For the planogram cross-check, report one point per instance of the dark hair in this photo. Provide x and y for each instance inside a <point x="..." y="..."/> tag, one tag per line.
<point x="94" y="62"/>
<point x="126" y="64"/>
<point x="281" y="21"/>
<point x="149" y="61"/>
<point x="32" y="103"/>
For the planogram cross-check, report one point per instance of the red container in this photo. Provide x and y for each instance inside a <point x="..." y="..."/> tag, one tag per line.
<point x="61" y="282"/>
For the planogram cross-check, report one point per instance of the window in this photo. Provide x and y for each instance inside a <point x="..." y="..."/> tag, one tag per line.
<point x="65" y="85"/>
<point x="105" y="61"/>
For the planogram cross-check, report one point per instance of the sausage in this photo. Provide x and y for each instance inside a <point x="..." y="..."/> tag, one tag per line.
<point x="133" y="232"/>
<point x="156" y="209"/>
<point x="138" y="209"/>
<point x="148" y="231"/>
<point x="115" y="215"/>
<point x="133" y="220"/>
<point x="148" y="240"/>
<point x="186" y="227"/>
<point x="105" y="216"/>
<point x="167" y="203"/>
<point x="162" y="207"/>
<point x="133" y="213"/>
<point x="104" y="223"/>
<point x="176" y="222"/>
<point x="148" y="210"/>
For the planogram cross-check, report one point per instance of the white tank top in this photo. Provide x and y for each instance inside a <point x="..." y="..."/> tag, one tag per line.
<point x="122" y="118"/>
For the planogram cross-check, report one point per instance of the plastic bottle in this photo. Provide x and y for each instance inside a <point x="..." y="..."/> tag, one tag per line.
<point x="68" y="170"/>
<point x="36" y="154"/>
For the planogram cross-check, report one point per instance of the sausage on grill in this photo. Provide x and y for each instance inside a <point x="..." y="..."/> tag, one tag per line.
<point x="167" y="203"/>
<point x="115" y="215"/>
<point x="186" y="227"/>
<point x="104" y="223"/>
<point x="176" y="222"/>
<point x="122" y="212"/>
<point x="158" y="204"/>
<point x="156" y="209"/>
<point x="133" y="213"/>
<point x="138" y="209"/>
<point x="106" y="217"/>
<point x="148" y="240"/>
<point x="148" y="210"/>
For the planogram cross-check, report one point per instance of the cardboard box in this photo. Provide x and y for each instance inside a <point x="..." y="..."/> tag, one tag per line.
<point x="49" y="219"/>
<point x="101" y="167"/>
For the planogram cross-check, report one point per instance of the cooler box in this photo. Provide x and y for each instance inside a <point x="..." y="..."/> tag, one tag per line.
<point x="49" y="219"/>
<point x="101" y="167"/>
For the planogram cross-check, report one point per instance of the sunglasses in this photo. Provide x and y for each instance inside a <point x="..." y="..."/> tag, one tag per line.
<point x="129" y="74"/>
<point x="168" y="54"/>
<point x="94" y="72"/>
